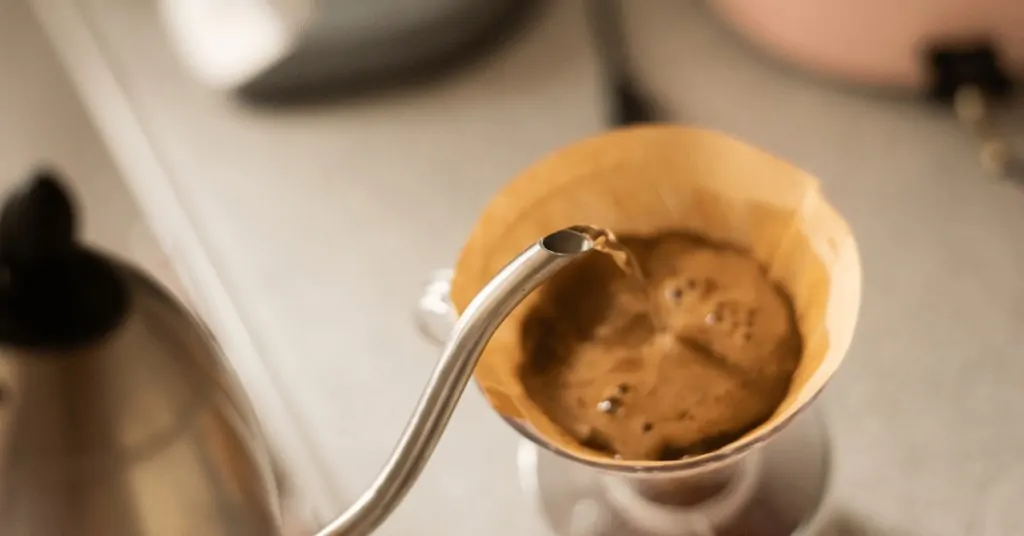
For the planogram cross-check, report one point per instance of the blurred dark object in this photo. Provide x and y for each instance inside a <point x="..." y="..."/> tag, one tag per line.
<point x="628" y="103"/>
<point x="314" y="50"/>
<point x="970" y="77"/>
<point x="955" y="66"/>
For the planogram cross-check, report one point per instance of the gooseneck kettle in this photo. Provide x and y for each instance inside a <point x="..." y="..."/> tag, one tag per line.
<point x="119" y="416"/>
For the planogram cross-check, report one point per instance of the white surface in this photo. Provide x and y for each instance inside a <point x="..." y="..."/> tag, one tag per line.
<point x="225" y="42"/>
<point x="311" y="230"/>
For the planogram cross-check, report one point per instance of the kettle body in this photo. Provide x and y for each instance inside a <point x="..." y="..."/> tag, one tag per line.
<point x="143" y="433"/>
<point x="118" y="415"/>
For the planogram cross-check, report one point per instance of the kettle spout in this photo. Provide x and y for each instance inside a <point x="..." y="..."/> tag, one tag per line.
<point x="469" y="337"/>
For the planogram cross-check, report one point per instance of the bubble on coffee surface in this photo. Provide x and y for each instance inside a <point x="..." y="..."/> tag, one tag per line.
<point x="610" y="405"/>
<point x="715" y="362"/>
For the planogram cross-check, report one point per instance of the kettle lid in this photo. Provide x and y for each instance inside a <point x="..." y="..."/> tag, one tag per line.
<point x="54" y="292"/>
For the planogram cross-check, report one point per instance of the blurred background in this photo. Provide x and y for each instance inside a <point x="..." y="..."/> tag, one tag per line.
<point x="303" y="165"/>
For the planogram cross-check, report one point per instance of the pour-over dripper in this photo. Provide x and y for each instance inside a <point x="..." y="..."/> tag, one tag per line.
<point x="649" y="180"/>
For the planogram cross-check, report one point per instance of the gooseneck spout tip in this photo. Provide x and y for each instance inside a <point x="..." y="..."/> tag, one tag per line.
<point x="569" y="241"/>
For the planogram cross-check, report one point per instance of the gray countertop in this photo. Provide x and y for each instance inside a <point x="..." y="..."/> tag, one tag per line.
<point x="306" y="236"/>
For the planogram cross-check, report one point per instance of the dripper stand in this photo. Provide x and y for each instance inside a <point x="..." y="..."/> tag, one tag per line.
<point x="773" y="491"/>
<point x="776" y="489"/>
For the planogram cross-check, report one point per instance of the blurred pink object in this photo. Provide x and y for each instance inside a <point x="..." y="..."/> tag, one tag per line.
<point x="875" y="42"/>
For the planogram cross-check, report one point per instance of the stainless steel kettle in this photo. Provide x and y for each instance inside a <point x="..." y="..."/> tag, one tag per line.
<point x="119" y="417"/>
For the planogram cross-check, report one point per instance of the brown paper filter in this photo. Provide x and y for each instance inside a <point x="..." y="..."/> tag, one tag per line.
<point x="646" y="180"/>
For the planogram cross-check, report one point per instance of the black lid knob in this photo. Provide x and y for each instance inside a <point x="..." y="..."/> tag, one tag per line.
<point x="37" y="222"/>
<point x="54" y="292"/>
